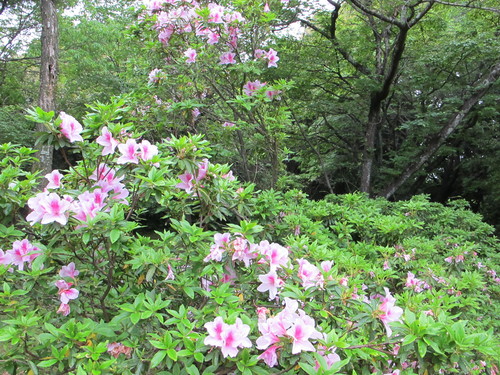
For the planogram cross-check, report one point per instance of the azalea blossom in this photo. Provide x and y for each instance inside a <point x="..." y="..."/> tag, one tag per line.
<point x="389" y="312"/>
<point x="187" y="182"/>
<point x="69" y="271"/>
<point x="329" y="355"/>
<point x="117" y="348"/>
<point x="290" y="324"/>
<point x="129" y="152"/>
<point x="54" y="179"/>
<point x="227" y="58"/>
<point x="147" y="150"/>
<point x="202" y="170"/>
<point x="70" y="128"/>
<point x="48" y="208"/>
<point x="270" y="282"/>
<point x="243" y="250"/>
<point x="228" y="337"/>
<point x="251" y="87"/>
<point x="66" y="292"/>
<point x="64" y="309"/>
<point x="219" y="247"/>
<point x="213" y="38"/>
<point x="191" y="55"/>
<point x="272" y="58"/>
<point x="21" y="252"/>
<point x="106" y="139"/>
<point x="155" y="76"/>
<point x="309" y="274"/>
<point x="276" y="255"/>
<point x="269" y="356"/>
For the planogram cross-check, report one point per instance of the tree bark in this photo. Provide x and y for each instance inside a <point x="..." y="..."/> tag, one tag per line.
<point x="438" y="140"/>
<point x="375" y="113"/>
<point x="48" y="76"/>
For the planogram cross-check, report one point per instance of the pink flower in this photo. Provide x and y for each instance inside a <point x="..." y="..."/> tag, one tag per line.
<point x="309" y="274"/>
<point x="275" y="254"/>
<point x="89" y="204"/>
<point x="269" y="356"/>
<point x="251" y="87"/>
<point x="66" y="293"/>
<point x="218" y="249"/>
<point x="272" y="58"/>
<point x="329" y="355"/>
<point x="228" y="124"/>
<point x="216" y="13"/>
<point x="129" y="152"/>
<point x="202" y="170"/>
<point x="187" y="182"/>
<point x="258" y="53"/>
<point x="70" y="128"/>
<point x="155" y="76"/>
<point x="213" y="38"/>
<point x="243" y="250"/>
<point x="117" y="348"/>
<point x="106" y="139"/>
<point x="266" y="8"/>
<point x="229" y="337"/>
<point x="54" y="179"/>
<point x="69" y="271"/>
<point x="48" y="208"/>
<point x="271" y="94"/>
<point x="301" y="331"/>
<point x="227" y="58"/>
<point x="22" y="251"/>
<point x="147" y="150"/>
<point x="191" y="55"/>
<point x="64" y="309"/>
<point x="270" y="282"/>
<point x="389" y="312"/>
<point x="5" y="258"/>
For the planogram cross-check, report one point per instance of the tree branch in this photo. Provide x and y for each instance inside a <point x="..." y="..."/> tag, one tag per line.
<point x="468" y="5"/>
<point x="438" y="140"/>
<point x="358" y="4"/>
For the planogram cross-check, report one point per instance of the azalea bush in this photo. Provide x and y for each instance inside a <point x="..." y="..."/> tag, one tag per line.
<point x="232" y="280"/>
<point x="142" y="255"/>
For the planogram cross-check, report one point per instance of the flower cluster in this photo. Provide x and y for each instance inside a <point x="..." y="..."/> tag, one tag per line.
<point x="388" y="312"/>
<point x="416" y="284"/>
<point x="49" y="207"/>
<point x="188" y="179"/>
<point x="289" y="325"/>
<point x="22" y="252"/>
<point x="228" y="337"/>
<point x="213" y="24"/>
<point x="66" y="292"/>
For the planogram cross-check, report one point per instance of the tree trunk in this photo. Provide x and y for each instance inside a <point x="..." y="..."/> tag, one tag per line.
<point x="437" y="141"/>
<point x="375" y="114"/>
<point x="48" y="76"/>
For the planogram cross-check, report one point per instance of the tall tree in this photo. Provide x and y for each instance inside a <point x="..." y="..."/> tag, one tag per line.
<point x="48" y="75"/>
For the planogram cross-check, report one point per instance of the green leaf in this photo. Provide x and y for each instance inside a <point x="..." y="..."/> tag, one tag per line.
<point x="172" y="354"/>
<point x="408" y="340"/>
<point x="157" y="358"/>
<point x="47" y="363"/>
<point x="115" y="235"/>
<point x="422" y="348"/>
<point x="189" y="291"/>
<point x="192" y="370"/>
<point x="308" y="368"/>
